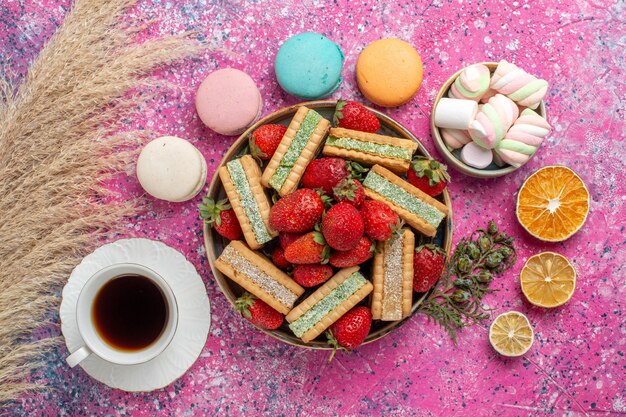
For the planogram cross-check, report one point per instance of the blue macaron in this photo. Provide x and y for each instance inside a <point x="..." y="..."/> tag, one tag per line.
<point x="308" y="66"/>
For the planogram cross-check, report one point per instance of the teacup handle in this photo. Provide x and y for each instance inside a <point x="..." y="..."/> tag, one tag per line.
<point x="78" y="356"/>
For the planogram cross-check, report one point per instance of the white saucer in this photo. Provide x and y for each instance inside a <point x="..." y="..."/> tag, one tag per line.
<point x="194" y="315"/>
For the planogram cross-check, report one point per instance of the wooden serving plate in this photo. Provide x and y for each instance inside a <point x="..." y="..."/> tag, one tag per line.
<point x="214" y="243"/>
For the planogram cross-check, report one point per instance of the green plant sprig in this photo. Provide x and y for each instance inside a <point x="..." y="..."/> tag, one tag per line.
<point x="456" y="301"/>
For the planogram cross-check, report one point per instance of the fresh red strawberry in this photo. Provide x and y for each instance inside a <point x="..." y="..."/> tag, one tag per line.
<point x="357" y="171"/>
<point x="278" y="257"/>
<point x="363" y="251"/>
<point x="258" y="312"/>
<point x="221" y="217"/>
<point x="312" y="275"/>
<point x="325" y="173"/>
<point x="297" y="212"/>
<point x="309" y="249"/>
<point x="326" y="199"/>
<point x="287" y="239"/>
<point x="351" y="115"/>
<point x="379" y="219"/>
<point x="342" y="226"/>
<point x="265" y="139"/>
<point x="349" y="190"/>
<point x="351" y="329"/>
<point x="428" y="175"/>
<point x="428" y="264"/>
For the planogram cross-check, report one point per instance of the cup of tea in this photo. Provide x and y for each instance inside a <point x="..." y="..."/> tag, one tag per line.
<point x="126" y="314"/>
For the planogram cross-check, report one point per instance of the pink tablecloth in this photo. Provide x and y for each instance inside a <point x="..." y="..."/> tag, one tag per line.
<point x="577" y="363"/>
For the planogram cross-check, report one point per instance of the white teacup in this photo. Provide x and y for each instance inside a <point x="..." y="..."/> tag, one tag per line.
<point x="95" y="343"/>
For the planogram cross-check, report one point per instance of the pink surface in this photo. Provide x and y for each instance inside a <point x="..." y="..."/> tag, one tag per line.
<point x="576" y="366"/>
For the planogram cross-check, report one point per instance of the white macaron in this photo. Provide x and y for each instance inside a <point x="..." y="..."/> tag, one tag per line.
<point x="171" y="169"/>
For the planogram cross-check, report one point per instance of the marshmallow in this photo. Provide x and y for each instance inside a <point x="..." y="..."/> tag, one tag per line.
<point x="455" y="138"/>
<point x="472" y="83"/>
<point x="493" y="120"/>
<point x="476" y="156"/>
<point x="488" y="94"/>
<point x="518" y="85"/>
<point x="497" y="160"/>
<point x="523" y="138"/>
<point x="454" y="113"/>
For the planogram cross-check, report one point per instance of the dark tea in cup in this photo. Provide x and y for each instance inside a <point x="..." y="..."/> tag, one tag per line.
<point x="130" y="312"/>
<point x="126" y="314"/>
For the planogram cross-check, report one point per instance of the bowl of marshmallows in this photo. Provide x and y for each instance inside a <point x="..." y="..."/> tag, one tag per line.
<point x="489" y="119"/>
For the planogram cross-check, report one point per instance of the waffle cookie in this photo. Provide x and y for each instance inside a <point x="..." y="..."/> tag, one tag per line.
<point x="328" y="303"/>
<point x="241" y="179"/>
<point x="417" y="208"/>
<point x="370" y="149"/>
<point x="393" y="278"/>
<point x="295" y="151"/>
<point x="259" y="276"/>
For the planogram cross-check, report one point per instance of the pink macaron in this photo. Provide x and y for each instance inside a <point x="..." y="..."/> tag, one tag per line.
<point x="228" y="101"/>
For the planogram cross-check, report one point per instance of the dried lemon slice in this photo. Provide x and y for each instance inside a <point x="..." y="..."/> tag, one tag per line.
<point x="553" y="203"/>
<point x="510" y="334"/>
<point x="548" y="280"/>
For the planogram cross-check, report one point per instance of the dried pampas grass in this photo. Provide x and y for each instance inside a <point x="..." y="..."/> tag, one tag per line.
<point x="57" y="134"/>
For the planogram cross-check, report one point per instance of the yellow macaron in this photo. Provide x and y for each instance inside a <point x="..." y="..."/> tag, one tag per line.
<point x="389" y="72"/>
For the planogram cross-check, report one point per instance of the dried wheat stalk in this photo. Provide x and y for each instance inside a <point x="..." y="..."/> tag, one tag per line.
<point x="57" y="143"/>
